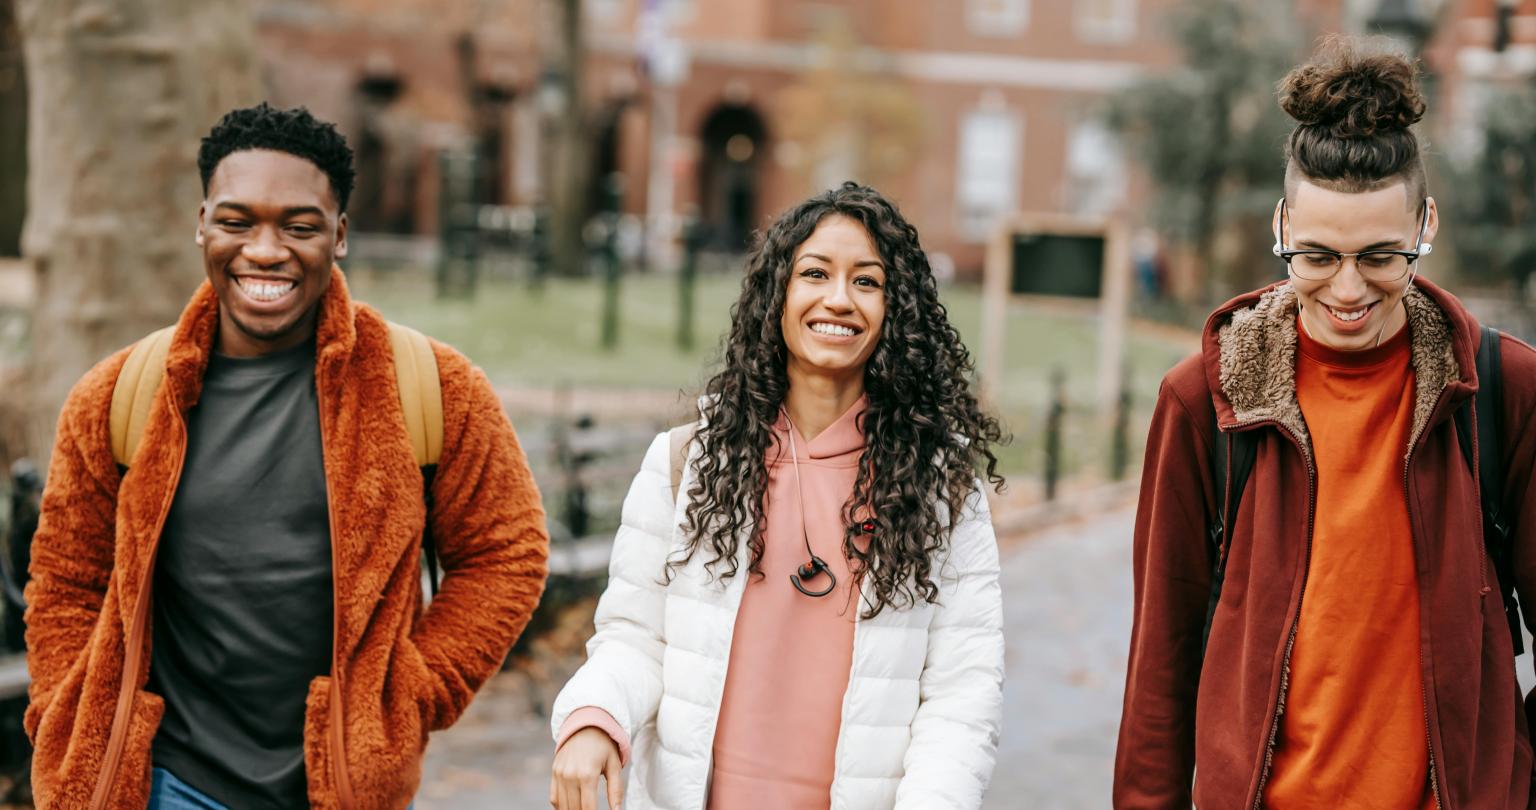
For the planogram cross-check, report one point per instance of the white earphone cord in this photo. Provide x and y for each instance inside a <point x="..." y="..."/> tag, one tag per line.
<point x="794" y="458"/>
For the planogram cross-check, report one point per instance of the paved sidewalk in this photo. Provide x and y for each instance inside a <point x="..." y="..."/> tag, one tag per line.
<point x="1067" y="608"/>
<point x="1067" y="596"/>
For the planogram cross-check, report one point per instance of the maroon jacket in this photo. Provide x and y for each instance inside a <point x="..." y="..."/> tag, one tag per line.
<point x="1228" y="722"/>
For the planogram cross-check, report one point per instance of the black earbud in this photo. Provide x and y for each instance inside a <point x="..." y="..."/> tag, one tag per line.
<point x="865" y="527"/>
<point x="811" y="570"/>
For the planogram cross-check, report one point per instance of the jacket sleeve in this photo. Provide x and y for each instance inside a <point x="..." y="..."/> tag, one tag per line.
<point x="72" y="550"/>
<point x="960" y="692"/>
<point x="622" y="674"/>
<point x="488" y="524"/>
<point x="1155" y="759"/>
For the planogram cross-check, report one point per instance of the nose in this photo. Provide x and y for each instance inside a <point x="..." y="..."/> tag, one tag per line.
<point x="1347" y="284"/>
<point x="264" y="249"/>
<point x="838" y="299"/>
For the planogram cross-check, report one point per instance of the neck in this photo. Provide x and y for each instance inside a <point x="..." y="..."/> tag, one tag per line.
<point x="815" y="401"/>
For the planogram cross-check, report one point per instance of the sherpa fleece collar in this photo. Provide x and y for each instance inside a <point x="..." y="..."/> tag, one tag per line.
<point x="1250" y="353"/>
<point x="187" y="358"/>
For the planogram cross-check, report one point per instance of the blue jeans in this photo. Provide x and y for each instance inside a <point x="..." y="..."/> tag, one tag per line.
<point x="166" y="792"/>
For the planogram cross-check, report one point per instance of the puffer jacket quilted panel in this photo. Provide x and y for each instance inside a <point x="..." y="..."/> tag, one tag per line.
<point x="922" y="711"/>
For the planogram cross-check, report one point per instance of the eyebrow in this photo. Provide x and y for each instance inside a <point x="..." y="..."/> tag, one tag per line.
<point x="859" y="263"/>
<point x="1388" y="244"/>
<point x="291" y="211"/>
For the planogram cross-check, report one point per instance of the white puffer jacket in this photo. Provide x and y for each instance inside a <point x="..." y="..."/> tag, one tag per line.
<point x="924" y="702"/>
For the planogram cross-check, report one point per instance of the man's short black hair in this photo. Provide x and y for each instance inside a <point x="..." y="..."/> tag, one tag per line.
<point x="293" y="131"/>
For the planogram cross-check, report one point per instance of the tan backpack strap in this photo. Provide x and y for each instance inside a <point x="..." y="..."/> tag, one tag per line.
<point x="421" y="392"/>
<point x="134" y="392"/>
<point x="679" y="437"/>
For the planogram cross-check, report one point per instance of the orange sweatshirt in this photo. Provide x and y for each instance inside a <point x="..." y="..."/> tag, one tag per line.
<point x="1353" y="733"/>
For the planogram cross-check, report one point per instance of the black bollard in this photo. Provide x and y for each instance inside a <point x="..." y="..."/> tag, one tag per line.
<point x="575" y="512"/>
<point x="1120" y="443"/>
<point x="687" y="277"/>
<point x="1053" y="426"/>
<point x="613" y="190"/>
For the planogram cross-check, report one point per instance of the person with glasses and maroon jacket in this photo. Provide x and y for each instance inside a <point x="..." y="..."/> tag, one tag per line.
<point x="1343" y="643"/>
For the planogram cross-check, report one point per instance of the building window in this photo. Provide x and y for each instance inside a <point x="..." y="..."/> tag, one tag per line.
<point x="996" y="18"/>
<point x="1096" y="173"/>
<point x="989" y="163"/>
<point x="1469" y="119"/>
<point x="1105" y="20"/>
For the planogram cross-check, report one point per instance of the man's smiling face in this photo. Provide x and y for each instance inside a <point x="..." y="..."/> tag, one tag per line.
<point x="1348" y="311"/>
<point x="270" y="228"/>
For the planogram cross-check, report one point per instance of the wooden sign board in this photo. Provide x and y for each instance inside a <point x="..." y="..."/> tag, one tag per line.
<point x="1063" y="259"/>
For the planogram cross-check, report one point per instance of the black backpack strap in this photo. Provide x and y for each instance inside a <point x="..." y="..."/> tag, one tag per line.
<point x="429" y="548"/>
<point x="1232" y="455"/>
<point x="1489" y="404"/>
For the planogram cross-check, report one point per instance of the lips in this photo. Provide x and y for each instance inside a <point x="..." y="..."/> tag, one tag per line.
<point x="265" y="291"/>
<point x="1349" y="319"/>
<point x="835" y="329"/>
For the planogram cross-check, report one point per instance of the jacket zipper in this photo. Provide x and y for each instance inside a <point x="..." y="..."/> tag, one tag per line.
<point x="133" y="645"/>
<point x="1290" y="641"/>
<point x="842" y="722"/>
<point x="1274" y="728"/>
<point x="1429" y="739"/>
<point x="337" y="741"/>
<point x="738" y="585"/>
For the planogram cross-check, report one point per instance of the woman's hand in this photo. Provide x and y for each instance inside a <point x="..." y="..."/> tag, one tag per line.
<point x="588" y="754"/>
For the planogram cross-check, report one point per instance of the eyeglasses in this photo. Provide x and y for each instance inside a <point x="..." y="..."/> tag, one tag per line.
<point x="1379" y="266"/>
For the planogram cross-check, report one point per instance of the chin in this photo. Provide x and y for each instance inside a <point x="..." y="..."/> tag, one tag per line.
<point x="268" y="331"/>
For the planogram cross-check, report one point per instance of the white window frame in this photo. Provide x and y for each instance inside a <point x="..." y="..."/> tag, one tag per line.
<point x="983" y="18"/>
<point x="1109" y="178"/>
<point x="995" y="173"/>
<point x="1118" y="28"/>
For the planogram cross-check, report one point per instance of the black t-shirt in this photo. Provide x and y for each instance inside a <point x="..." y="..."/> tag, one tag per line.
<point x="243" y="597"/>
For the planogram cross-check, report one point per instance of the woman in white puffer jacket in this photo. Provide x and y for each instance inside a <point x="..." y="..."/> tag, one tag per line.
<point x="803" y="608"/>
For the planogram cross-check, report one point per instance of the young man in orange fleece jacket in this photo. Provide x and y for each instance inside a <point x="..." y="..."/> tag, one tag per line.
<point x="236" y="619"/>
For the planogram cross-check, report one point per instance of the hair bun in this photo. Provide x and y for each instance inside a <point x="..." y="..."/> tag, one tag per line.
<point x="1354" y="94"/>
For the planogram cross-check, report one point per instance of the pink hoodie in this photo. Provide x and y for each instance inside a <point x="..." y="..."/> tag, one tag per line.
<point x="781" y="711"/>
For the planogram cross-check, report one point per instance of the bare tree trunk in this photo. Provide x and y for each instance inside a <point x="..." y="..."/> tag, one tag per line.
<point x="569" y="197"/>
<point x="120" y="94"/>
<point x="13" y="132"/>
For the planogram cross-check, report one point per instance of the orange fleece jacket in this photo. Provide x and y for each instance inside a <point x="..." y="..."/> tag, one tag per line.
<point x="399" y="671"/>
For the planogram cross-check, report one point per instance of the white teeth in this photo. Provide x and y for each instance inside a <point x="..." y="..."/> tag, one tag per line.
<point x="832" y="329"/>
<point x="1349" y="316"/>
<point x="265" y="290"/>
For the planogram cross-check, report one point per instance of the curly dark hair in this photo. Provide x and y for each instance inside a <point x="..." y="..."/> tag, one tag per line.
<point x="293" y="131"/>
<point x="1355" y="103"/>
<point x="925" y="434"/>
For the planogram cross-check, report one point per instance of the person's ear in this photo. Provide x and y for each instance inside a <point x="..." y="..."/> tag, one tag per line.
<point x="341" y="237"/>
<point x="202" y="212"/>
<point x="1275" y="225"/>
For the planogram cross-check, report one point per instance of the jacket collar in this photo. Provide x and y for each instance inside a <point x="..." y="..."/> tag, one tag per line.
<point x="192" y="345"/>
<point x="1249" y="349"/>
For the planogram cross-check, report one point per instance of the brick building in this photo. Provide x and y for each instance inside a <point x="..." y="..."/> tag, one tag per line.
<point x="1481" y="46"/>
<point x="960" y="110"/>
<point x="734" y="109"/>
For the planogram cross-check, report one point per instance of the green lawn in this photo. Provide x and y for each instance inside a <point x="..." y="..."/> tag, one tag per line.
<point x="549" y="338"/>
